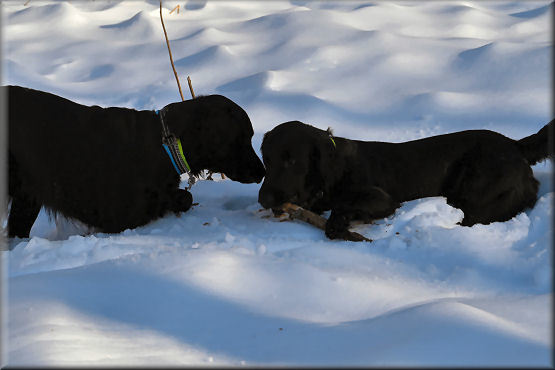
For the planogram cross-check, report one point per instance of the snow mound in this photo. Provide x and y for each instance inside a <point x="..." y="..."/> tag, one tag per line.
<point x="137" y="27"/>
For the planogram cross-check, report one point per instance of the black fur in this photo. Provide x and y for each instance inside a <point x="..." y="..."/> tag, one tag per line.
<point x="484" y="173"/>
<point x="106" y="167"/>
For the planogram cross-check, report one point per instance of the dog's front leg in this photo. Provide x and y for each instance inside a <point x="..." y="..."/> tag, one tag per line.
<point x="337" y="225"/>
<point x="182" y="201"/>
<point x="23" y="213"/>
<point x="366" y="205"/>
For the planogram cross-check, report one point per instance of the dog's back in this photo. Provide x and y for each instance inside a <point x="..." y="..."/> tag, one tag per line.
<point x="482" y="172"/>
<point x="80" y="160"/>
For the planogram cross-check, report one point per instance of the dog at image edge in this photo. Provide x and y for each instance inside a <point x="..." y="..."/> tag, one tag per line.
<point x="106" y="167"/>
<point x="481" y="172"/>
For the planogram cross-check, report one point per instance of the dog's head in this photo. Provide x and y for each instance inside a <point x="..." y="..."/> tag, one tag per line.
<point x="299" y="162"/>
<point x="216" y="135"/>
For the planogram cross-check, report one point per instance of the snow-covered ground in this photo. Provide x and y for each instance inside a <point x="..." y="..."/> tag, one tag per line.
<point x="225" y="284"/>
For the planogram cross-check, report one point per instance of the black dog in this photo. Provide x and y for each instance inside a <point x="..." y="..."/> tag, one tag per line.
<point x="483" y="173"/>
<point x="106" y="167"/>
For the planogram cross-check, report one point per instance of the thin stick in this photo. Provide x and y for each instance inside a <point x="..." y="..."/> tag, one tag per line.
<point x="173" y="10"/>
<point x="302" y="214"/>
<point x="170" y="52"/>
<point x="190" y="87"/>
<point x="297" y="212"/>
<point x="173" y="66"/>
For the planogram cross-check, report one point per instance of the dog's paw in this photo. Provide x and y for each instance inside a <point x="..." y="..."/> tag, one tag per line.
<point x="183" y="201"/>
<point x="344" y="234"/>
<point x="337" y="227"/>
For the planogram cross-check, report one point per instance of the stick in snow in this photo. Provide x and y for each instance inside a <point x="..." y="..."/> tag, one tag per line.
<point x="177" y="7"/>
<point x="190" y="86"/>
<point x="170" y="52"/>
<point x="299" y="213"/>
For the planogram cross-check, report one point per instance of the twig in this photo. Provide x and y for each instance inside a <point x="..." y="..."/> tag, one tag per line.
<point x="299" y="213"/>
<point x="170" y="52"/>
<point x="171" y="60"/>
<point x="177" y="7"/>
<point x="191" y="87"/>
<point x="302" y="214"/>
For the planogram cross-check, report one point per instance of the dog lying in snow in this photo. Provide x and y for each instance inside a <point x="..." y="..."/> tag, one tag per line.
<point x="107" y="167"/>
<point x="483" y="173"/>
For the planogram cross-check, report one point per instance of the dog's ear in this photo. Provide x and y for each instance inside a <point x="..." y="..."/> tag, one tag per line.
<point x="324" y="170"/>
<point x="330" y="167"/>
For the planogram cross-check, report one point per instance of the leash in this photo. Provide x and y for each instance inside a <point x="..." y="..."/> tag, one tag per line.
<point x="174" y="149"/>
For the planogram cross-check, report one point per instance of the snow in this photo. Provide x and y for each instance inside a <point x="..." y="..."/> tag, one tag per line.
<point x="225" y="283"/>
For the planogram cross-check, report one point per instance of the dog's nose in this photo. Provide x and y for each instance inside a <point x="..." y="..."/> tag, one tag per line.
<point x="267" y="200"/>
<point x="260" y="171"/>
<point x="251" y="171"/>
<point x="254" y="170"/>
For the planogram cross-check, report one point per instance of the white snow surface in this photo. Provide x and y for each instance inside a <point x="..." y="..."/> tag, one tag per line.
<point x="224" y="283"/>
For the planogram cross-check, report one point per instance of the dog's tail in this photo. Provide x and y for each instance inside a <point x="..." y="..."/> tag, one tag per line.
<point x="538" y="146"/>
